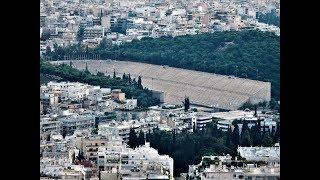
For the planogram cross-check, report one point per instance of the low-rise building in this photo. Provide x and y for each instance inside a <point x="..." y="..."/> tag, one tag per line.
<point x="270" y="155"/>
<point x="143" y="162"/>
<point x="90" y="147"/>
<point x="117" y="95"/>
<point x="94" y="32"/>
<point x="76" y="122"/>
<point x="121" y="129"/>
<point x="131" y="104"/>
<point x="223" y="167"/>
<point x="198" y="120"/>
<point x="73" y="91"/>
<point x="49" y="125"/>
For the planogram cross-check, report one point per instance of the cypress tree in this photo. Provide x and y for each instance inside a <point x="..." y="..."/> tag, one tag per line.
<point x="173" y="142"/>
<point x="80" y="33"/>
<point x="129" y="78"/>
<point x="228" y="139"/>
<point x="186" y="104"/>
<point x="272" y="132"/>
<point x="255" y="111"/>
<point x="235" y="138"/>
<point x="64" y="133"/>
<point x="73" y="157"/>
<point x="141" y="139"/>
<point x="133" y="139"/>
<point x="87" y="70"/>
<point x="256" y="135"/>
<point x="80" y="155"/>
<point x="87" y="50"/>
<point x="114" y="74"/>
<point x="244" y="127"/>
<point x="140" y="82"/>
<point x="214" y="131"/>
<point x="48" y="137"/>
<point x="148" y="136"/>
<point x="267" y="140"/>
<point x="245" y="138"/>
<point x="276" y="137"/>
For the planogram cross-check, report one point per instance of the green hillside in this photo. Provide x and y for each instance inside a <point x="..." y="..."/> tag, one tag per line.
<point x="249" y="54"/>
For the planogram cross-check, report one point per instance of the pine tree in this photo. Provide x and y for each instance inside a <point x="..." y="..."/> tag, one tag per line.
<point x="124" y="76"/>
<point x="71" y="64"/>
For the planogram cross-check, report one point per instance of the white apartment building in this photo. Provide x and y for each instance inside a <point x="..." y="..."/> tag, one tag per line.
<point x="69" y="90"/>
<point x="48" y="99"/>
<point x="142" y="162"/>
<point x="90" y="145"/>
<point x="94" y="32"/>
<point x="198" y="120"/>
<point x="215" y="167"/>
<point x="61" y="168"/>
<point x="76" y="122"/>
<point x="270" y="155"/>
<point x="121" y="129"/>
<point x="49" y="125"/>
<point x="224" y="125"/>
<point x="98" y="94"/>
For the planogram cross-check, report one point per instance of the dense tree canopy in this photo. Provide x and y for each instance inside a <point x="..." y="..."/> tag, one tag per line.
<point x="132" y="90"/>
<point x="188" y="148"/>
<point x="269" y="18"/>
<point x="250" y="54"/>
